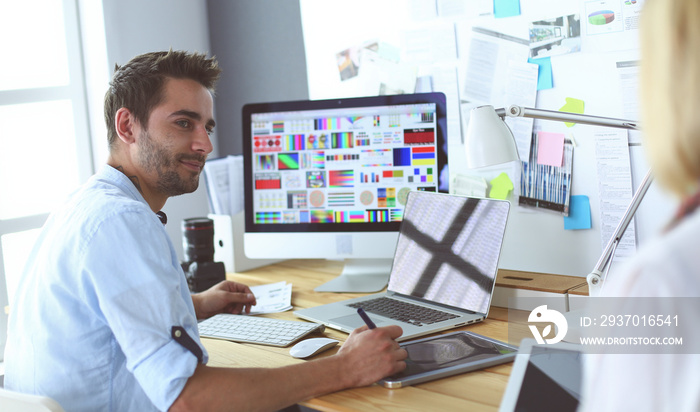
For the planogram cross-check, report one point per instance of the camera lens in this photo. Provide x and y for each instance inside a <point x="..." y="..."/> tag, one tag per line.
<point x="198" y="239"/>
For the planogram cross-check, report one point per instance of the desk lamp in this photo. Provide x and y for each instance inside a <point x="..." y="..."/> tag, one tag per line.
<point x="489" y="141"/>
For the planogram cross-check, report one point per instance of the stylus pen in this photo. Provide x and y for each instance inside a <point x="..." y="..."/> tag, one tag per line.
<point x="366" y="318"/>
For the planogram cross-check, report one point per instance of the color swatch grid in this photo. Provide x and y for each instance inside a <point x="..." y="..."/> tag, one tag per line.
<point x="419" y="136"/>
<point x="335" y="123"/>
<point x="341" y="178"/>
<point x="297" y="200"/>
<point x="268" y="217"/>
<point x="362" y="139"/>
<point x="342" y="140"/>
<point x="313" y="160"/>
<point x="341" y="199"/>
<point x="320" y="141"/>
<point x="342" y="169"/>
<point x="265" y="162"/>
<point x="386" y="197"/>
<point x="422" y="156"/>
<point x="288" y="161"/>
<point x="356" y="216"/>
<point x="376" y="157"/>
<point x="391" y="137"/>
<point x="294" y="142"/>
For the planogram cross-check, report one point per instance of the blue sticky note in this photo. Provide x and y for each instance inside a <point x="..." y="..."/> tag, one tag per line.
<point x="544" y="73"/>
<point x="506" y="8"/>
<point x="579" y="213"/>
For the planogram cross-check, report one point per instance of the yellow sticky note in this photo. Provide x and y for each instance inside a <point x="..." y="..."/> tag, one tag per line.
<point x="572" y="106"/>
<point x="500" y="186"/>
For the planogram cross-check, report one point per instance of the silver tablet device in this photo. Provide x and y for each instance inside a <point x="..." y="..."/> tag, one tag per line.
<point x="449" y="354"/>
<point x="545" y="377"/>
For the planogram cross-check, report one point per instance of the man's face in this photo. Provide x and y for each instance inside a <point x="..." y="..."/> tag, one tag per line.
<point x="174" y="147"/>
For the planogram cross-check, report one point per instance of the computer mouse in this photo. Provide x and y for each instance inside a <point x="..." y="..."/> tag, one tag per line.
<point x="310" y="347"/>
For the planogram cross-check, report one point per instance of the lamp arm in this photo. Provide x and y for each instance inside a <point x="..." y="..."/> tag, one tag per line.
<point x="519" y="111"/>
<point x="596" y="278"/>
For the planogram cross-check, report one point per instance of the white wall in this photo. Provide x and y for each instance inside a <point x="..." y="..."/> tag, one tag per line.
<point x="134" y="27"/>
<point x="535" y="241"/>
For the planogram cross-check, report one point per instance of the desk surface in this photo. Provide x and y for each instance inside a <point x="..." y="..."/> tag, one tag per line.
<point x="476" y="391"/>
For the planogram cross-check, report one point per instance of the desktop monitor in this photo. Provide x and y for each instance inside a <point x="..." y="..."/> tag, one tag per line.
<point x="329" y="178"/>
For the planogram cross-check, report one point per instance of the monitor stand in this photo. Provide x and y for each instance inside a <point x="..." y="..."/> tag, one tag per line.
<point x="360" y="276"/>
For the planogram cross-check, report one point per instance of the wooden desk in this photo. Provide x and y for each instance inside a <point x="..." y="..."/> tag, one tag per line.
<point x="475" y="391"/>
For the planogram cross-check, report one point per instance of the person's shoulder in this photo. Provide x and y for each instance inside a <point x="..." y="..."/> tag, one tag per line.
<point x="668" y="265"/>
<point x="104" y="198"/>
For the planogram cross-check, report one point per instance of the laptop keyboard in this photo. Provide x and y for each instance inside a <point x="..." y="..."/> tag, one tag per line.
<point x="403" y="311"/>
<point x="252" y="329"/>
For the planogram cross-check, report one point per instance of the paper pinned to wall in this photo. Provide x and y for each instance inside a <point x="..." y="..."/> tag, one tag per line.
<point x="521" y="89"/>
<point x="463" y="8"/>
<point x="444" y="79"/>
<point x="492" y="79"/>
<point x="382" y="76"/>
<point x="628" y="72"/>
<point x="430" y="43"/>
<point x="544" y="186"/>
<point x="422" y="10"/>
<point x="488" y="67"/>
<point x="611" y="25"/>
<point x="224" y="180"/>
<point x="614" y="188"/>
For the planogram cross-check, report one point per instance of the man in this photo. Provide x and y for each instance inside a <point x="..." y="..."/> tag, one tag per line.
<point x="92" y="325"/>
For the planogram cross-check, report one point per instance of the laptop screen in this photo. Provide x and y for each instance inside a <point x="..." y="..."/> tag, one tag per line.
<point x="448" y="249"/>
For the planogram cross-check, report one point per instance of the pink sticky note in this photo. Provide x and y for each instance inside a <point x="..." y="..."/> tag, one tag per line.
<point x="550" y="148"/>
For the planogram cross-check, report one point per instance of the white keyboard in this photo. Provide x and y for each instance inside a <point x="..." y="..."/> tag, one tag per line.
<point x="253" y="329"/>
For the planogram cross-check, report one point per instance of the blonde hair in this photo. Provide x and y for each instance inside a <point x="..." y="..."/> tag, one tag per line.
<point x="670" y="91"/>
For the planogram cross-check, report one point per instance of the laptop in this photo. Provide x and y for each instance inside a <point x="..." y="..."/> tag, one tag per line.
<point x="443" y="273"/>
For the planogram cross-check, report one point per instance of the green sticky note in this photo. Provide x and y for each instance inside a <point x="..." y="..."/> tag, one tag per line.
<point x="500" y="186"/>
<point x="572" y="106"/>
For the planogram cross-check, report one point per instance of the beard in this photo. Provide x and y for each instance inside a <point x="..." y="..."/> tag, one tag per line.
<point x="159" y="159"/>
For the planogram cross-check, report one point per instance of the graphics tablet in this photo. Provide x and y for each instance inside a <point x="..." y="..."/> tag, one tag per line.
<point x="544" y="378"/>
<point x="449" y="354"/>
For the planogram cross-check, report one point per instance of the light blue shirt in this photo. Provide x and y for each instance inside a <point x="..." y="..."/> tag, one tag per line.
<point x="91" y="322"/>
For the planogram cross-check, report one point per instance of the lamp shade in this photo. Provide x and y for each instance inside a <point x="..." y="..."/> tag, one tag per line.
<point x="489" y="141"/>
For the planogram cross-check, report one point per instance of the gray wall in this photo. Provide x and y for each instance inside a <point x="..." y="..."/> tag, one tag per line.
<point x="260" y="47"/>
<point x="259" y="44"/>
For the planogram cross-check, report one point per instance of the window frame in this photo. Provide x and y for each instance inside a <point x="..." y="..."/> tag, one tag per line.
<point x="76" y="92"/>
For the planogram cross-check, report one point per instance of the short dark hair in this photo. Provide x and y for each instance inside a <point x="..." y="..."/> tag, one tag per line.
<point x="138" y="84"/>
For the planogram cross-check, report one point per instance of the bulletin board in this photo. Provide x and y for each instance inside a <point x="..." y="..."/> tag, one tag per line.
<point x="554" y="55"/>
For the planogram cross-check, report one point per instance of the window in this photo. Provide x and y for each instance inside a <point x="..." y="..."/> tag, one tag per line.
<point x="44" y="128"/>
